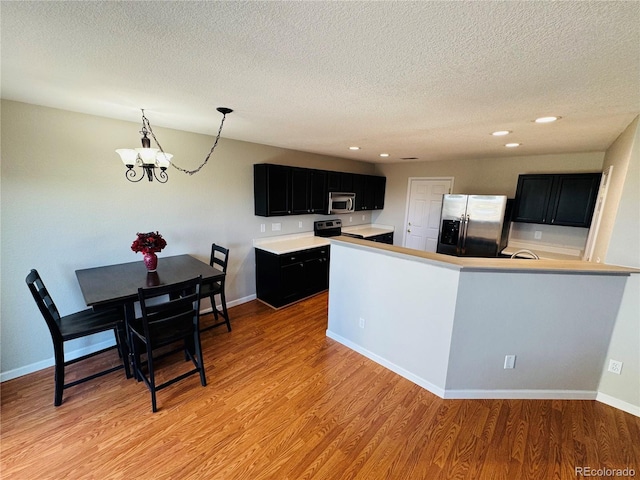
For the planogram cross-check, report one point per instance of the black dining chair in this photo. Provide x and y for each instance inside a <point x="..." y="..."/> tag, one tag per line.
<point x="219" y="259"/>
<point x="76" y="325"/>
<point x="170" y="314"/>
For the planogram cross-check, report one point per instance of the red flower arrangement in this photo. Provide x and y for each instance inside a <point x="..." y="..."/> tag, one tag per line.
<point x="148" y="242"/>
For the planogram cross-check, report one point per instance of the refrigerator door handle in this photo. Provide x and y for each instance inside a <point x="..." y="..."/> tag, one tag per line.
<point x="465" y="227"/>
<point x="460" y="236"/>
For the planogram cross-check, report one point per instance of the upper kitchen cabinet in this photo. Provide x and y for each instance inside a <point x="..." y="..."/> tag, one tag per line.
<point x="309" y="188"/>
<point x="556" y="199"/>
<point x="271" y="190"/>
<point x="339" y="182"/>
<point x="369" y="190"/>
<point x="282" y="190"/>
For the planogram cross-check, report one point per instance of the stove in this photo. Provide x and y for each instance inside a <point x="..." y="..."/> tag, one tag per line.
<point x="327" y="228"/>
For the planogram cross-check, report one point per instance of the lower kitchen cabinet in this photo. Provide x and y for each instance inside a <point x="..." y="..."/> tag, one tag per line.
<point x="287" y="278"/>
<point x="383" y="238"/>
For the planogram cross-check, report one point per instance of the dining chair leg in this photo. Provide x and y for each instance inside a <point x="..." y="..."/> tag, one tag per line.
<point x="198" y="352"/>
<point x="58" y="352"/>
<point x="225" y="313"/>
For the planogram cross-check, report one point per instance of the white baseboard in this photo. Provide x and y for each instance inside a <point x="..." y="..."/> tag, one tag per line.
<point x="41" y="365"/>
<point x="230" y="304"/>
<point x="468" y="394"/>
<point x="619" y="404"/>
<point x="521" y="394"/>
<point x="435" y="389"/>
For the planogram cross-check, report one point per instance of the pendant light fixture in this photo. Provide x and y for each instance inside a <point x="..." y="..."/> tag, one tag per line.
<point x="153" y="162"/>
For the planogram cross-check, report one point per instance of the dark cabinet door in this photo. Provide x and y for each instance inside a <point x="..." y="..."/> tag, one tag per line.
<point x="339" y="182"/>
<point x="369" y="190"/>
<point x="271" y="190"/>
<point x="316" y="274"/>
<point x="377" y="187"/>
<point x="359" y="189"/>
<point x="284" y="279"/>
<point x="293" y="278"/>
<point x="300" y="187"/>
<point x="574" y="199"/>
<point x="318" y="197"/>
<point x="308" y="191"/>
<point x="532" y="198"/>
<point x="557" y="199"/>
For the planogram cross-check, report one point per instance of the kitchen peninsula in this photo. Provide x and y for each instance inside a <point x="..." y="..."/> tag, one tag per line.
<point x="447" y="323"/>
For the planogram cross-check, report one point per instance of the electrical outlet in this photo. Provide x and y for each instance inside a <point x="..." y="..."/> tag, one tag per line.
<point x="262" y="228"/>
<point x="615" y="366"/>
<point x="509" y="361"/>
<point x="299" y="224"/>
<point x="537" y="235"/>
<point x="350" y="219"/>
<point x="361" y="322"/>
<point x="363" y="217"/>
<point x="276" y="227"/>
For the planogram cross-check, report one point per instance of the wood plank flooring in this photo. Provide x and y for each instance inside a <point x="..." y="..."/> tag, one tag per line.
<point x="285" y="402"/>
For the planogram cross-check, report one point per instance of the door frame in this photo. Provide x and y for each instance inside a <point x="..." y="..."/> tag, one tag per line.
<point x="406" y="209"/>
<point x="592" y="236"/>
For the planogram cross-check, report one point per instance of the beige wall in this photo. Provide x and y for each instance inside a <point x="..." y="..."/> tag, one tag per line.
<point x="619" y="244"/>
<point x="497" y="176"/>
<point x="66" y="205"/>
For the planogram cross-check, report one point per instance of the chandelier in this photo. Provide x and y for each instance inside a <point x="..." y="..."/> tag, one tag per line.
<point x="153" y="162"/>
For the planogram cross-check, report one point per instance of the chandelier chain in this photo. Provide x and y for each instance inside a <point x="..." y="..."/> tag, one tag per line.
<point x="145" y="123"/>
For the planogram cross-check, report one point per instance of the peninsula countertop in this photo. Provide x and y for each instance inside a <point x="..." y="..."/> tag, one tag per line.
<point x="492" y="264"/>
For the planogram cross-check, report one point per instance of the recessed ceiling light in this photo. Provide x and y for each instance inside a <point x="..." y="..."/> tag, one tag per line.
<point x="384" y="154"/>
<point x="546" y="119"/>
<point x="354" y="148"/>
<point x="512" y="145"/>
<point x="501" y="133"/>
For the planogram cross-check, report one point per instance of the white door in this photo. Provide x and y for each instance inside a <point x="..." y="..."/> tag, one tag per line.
<point x="424" y="202"/>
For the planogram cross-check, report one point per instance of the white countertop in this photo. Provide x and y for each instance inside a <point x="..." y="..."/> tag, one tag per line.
<point x="296" y="242"/>
<point x="290" y="243"/>
<point x="490" y="264"/>
<point x="368" y="230"/>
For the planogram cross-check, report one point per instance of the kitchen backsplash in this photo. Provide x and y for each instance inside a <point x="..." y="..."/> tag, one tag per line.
<point x="549" y="235"/>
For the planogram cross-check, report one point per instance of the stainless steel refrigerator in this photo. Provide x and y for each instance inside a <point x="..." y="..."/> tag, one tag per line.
<point x="474" y="225"/>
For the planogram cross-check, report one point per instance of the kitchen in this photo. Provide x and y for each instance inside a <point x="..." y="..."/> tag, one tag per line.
<point x="348" y="292"/>
<point x="87" y="204"/>
<point x="79" y="205"/>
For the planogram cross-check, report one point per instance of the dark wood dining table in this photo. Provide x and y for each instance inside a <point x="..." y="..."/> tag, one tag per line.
<point x="117" y="285"/>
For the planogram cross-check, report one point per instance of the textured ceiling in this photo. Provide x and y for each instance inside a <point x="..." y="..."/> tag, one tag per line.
<point x="426" y="79"/>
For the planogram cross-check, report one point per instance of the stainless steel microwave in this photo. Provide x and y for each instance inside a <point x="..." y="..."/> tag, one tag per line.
<point x="341" y="202"/>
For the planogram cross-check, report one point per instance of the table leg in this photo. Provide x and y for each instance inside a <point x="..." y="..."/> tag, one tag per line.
<point x="129" y="316"/>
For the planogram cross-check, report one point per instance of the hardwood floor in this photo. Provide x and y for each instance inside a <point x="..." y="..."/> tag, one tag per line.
<point x="285" y="402"/>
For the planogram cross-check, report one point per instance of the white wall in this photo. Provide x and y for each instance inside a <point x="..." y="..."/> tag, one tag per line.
<point x="425" y="320"/>
<point x="408" y="308"/>
<point x="557" y="325"/>
<point x="622" y="246"/>
<point x="66" y="205"/>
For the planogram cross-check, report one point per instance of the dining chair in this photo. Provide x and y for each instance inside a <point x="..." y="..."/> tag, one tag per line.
<point x="169" y="314"/>
<point x="76" y="325"/>
<point x="219" y="259"/>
